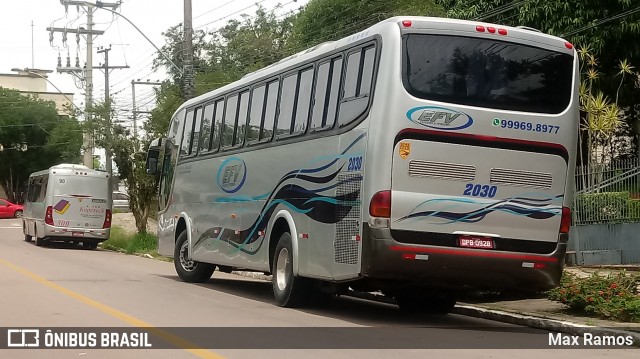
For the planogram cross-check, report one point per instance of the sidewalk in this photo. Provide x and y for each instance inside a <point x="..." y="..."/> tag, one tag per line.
<point x="549" y="315"/>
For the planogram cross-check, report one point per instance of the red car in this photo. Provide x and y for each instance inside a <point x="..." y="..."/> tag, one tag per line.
<point x="10" y="210"/>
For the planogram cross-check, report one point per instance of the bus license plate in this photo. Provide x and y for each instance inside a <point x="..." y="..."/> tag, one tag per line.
<point x="77" y="234"/>
<point x="475" y="242"/>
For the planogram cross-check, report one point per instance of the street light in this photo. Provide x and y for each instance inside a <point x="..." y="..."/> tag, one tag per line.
<point x="33" y="73"/>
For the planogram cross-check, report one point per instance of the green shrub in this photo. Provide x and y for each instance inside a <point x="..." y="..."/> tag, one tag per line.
<point x="609" y="297"/>
<point x="606" y="207"/>
<point x="137" y="243"/>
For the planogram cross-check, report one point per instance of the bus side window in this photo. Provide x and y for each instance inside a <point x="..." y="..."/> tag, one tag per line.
<point x="217" y="128"/>
<point x="303" y="101"/>
<point x="230" y="118"/>
<point x="266" y="130"/>
<point x="357" y="84"/>
<point x="326" y="94"/>
<point x="287" y="101"/>
<point x="207" y="124"/>
<point x="185" y="149"/>
<point x="195" y="137"/>
<point x="241" y="121"/>
<point x="256" y="114"/>
<point x="43" y="187"/>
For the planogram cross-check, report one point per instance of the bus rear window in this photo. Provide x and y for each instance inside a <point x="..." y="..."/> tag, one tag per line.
<point x="486" y="73"/>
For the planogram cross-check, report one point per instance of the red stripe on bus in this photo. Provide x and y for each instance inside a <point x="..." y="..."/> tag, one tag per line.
<point x="473" y="253"/>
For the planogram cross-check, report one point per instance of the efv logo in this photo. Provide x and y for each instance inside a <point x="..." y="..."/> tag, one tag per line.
<point x="439" y="118"/>
<point x="232" y="174"/>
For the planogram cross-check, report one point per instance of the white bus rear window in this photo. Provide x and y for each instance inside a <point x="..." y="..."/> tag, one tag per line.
<point x="487" y="73"/>
<point x="81" y="186"/>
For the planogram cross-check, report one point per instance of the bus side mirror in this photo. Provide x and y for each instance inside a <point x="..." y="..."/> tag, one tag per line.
<point x="152" y="156"/>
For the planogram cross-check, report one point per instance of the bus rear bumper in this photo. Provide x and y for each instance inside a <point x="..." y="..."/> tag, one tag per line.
<point x="76" y="234"/>
<point x="457" y="268"/>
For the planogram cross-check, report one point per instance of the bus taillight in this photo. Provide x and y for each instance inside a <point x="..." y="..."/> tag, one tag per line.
<point x="48" y="217"/>
<point x="107" y="219"/>
<point x="380" y="205"/>
<point x="565" y="221"/>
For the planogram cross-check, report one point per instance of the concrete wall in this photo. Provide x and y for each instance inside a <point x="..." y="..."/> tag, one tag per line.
<point x="605" y="244"/>
<point x="23" y="83"/>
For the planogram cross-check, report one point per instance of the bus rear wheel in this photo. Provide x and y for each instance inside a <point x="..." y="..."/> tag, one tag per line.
<point x="289" y="290"/>
<point x="189" y="270"/>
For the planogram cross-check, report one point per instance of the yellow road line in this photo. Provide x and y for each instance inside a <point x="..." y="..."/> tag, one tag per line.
<point x="170" y="338"/>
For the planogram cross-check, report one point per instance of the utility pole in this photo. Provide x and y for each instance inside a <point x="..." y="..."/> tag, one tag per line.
<point x="188" y="88"/>
<point x="135" y="110"/>
<point x="107" y="101"/>
<point x="88" y="70"/>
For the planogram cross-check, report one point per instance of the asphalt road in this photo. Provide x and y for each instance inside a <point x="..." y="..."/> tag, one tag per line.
<point x="63" y="286"/>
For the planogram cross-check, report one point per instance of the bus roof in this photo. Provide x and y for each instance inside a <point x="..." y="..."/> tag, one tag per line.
<point x="463" y="27"/>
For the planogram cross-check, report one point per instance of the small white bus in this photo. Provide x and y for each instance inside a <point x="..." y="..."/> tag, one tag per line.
<point x="419" y="157"/>
<point x="69" y="203"/>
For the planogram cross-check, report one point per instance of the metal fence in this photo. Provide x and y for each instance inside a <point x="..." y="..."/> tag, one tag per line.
<point x="607" y="193"/>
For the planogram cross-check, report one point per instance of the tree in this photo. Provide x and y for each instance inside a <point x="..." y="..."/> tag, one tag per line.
<point x="605" y="28"/>
<point x="141" y="187"/>
<point x="327" y="20"/>
<point x="33" y="137"/>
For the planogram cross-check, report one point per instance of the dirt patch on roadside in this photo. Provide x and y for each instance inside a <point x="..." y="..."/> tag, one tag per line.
<point x="127" y="222"/>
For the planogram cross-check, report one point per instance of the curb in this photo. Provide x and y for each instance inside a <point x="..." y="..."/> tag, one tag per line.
<point x="542" y="323"/>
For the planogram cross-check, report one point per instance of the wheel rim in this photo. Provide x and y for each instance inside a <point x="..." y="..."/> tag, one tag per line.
<point x="282" y="277"/>
<point x="18" y="214"/>
<point x="186" y="263"/>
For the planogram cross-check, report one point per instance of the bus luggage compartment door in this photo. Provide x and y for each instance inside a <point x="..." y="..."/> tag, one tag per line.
<point x="463" y="189"/>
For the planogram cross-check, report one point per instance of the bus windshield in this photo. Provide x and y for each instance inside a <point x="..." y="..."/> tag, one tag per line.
<point x="487" y="73"/>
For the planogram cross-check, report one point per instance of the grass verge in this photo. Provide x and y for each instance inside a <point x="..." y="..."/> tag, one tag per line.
<point x="121" y="241"/>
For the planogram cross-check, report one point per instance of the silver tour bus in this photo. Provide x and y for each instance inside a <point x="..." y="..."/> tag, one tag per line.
<point x="420" y="157"/>
<point x="69" y="203"/>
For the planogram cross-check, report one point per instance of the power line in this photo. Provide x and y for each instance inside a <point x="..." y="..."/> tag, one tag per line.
<point x="603" y="21"/>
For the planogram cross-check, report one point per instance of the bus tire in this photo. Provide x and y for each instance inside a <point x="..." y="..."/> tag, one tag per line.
<point x="189" y="270"/>
<point x="428" y="303"/>
<point x="90" y="245"/>
<point x="40" y="241"/>
<point x="27" y="236"/>
<point x="289" y="290"/>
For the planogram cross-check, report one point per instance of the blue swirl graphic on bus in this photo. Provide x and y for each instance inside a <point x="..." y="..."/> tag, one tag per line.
<point x="291" y="191"/>
<point x="519" y="206"/>
<point x="232" y="174"/>
<point x="440" y="118"/>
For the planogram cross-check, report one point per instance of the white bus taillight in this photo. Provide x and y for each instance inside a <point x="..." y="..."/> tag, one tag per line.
<point x="48" y="217"/>
<point x="565" y="221"/>
<point x="107" y="219"/>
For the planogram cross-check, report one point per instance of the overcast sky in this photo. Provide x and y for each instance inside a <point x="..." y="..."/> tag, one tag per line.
<point x="129" y="47"/>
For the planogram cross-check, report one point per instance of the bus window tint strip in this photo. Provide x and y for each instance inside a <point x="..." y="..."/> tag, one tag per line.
<point x="487" y="73"/>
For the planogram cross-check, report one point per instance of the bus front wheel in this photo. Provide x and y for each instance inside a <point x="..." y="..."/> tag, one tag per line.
<point x="288" y="289"/>
<point x="189" y="270"/>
